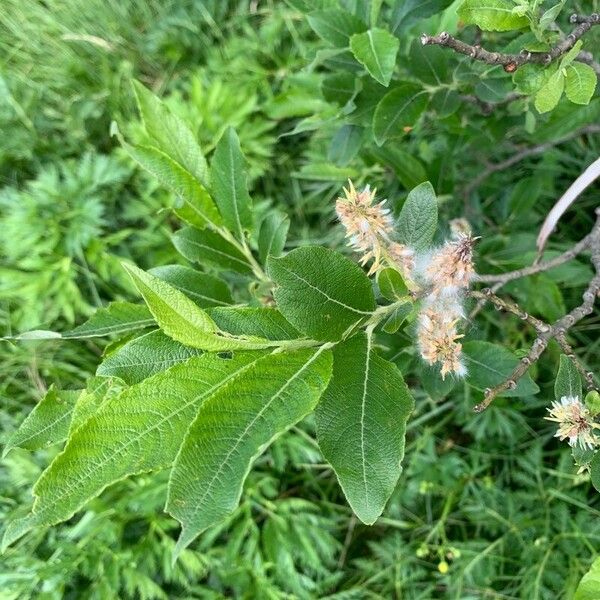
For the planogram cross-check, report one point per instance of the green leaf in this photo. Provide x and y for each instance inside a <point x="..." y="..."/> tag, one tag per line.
<point x="491" y="15"/>
<point x="391" y="284"/>
<point x="196" y="205"/>
<point x="589" y="586"/>
<point x="208" y="248"/>
<point x="445" y="102"/>
<point x="580" y="83"/>
<point x="549" y="94"/>
<point x="408" y="169"/>
<point x="398" y="111"/>
<point x="376" y="50"/>
<point x="489" y="365"/>
<point x="407" y="12"/>
<point x="345" y="144"/>
<point x="228" y="178"/>
<point x="116" y="318"/>
<point x="170" y="134"/>
<point x="47" y="423"/>
<point x="183" y="320"/>
<point x="321" y="292"/>
<point x="595" y="471"/>
<point x="272" y="235"/>
<point x="205" y="290"/>
<point x="98" y="390"/>
<point x="549" y="16"/>
<point x="398" y="316"/>
<point x="568" y="382"/>
<point x="143" y="357"/>
<point x="233" y="427"/>
<point x="417" y="222"/>
<point x="361" y="424"/>
<point x="571" y="55"/>
<point x="335" y="26"/>
<point x="140" y="430"/>
<point x="339" y="87"/>
<point x="265" y="322"/>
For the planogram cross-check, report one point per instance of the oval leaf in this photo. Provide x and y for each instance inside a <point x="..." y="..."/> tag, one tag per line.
<point x="417" y="222"/>
<point x="568" y="381"/>
<point x="376" y="50"/>
<point x="361" y="424"/>
<point x="398" y="112"/>
<point x="321" y="292"/>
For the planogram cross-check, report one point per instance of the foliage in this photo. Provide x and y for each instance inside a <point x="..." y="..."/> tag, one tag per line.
<point x="271" y="112"/>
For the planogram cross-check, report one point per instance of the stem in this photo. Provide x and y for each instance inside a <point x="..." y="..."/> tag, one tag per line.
<point x="511" y="62"/>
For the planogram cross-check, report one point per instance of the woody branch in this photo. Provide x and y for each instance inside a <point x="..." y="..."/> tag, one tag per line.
<point x="511" y="62"/>
<point x="546" y="332"/>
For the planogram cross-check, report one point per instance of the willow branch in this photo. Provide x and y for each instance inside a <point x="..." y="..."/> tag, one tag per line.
<point x="545" y="332"/>
<point x="540" y="267"/>
<point x="511" y="62"/>
<point x="523" y="154"/>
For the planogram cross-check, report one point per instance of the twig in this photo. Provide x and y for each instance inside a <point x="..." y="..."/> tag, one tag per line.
<point x="511" y="307"/>
<point x="540" y="267"/>
<point x="347" y="541"/>
<point x="558" y="329"/>
<point x="525" y="153"/>
<point x="511" y="62"/>
<point x="487" y="108"/>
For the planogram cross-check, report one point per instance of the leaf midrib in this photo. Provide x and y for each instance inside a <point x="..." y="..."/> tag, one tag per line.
<point x="134" y="439"/>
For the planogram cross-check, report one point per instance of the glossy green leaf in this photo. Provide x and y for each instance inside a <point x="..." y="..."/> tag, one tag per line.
<point x="170" y="134"/>
<point x="361" y="424"/>
<point x="321" y="292"/>
<point x="206" y="247"/>
<point x="489" y="365"/>
<point x="47" y="423"/>
<point x="580" y="83"/>
<point x="376" y="50"/>
<point x="233" y="427"/>
<point x="228" y="180"/>
<point x="418" y="219"/>
<point x="398" y="112"/>
<point x="491" y="15"/>
<point x="140" y="430"/>
<point x="335" y="26"/>
<point x="144" y="356"/>
<point x="205" y="290"/>
<point x="568" y="381"/>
